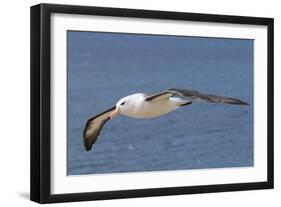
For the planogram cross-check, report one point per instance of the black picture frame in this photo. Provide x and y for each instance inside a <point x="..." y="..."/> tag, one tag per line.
<point x="41" y="97"/>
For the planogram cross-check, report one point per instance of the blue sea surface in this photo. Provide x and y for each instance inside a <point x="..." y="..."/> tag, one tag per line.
<point x="104" y="67"/>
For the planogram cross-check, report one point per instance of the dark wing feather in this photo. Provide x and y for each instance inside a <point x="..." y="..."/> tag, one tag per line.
<point x="159" y="96"/>
<point x="94" y="126"/>
<point x="195" y="95"/>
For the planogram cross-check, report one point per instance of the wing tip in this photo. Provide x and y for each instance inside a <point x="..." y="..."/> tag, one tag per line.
<point x="87" y="144"/>
<point x="239" y="102"/>
<point x="86" y="139"/>
<point x="88" y="148"/>
<point x="89" y="138"/>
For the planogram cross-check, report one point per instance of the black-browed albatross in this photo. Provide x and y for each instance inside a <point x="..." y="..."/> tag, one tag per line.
<point x="141" y="105"/>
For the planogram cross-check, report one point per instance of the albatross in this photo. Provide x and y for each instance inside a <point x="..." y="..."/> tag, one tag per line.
<point x="141" y="105"/>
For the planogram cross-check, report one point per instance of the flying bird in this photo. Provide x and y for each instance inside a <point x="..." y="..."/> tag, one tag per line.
<point x="141" y="105"/>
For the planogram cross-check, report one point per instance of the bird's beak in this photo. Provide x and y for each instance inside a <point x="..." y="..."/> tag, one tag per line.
<point x="114" y="113"/>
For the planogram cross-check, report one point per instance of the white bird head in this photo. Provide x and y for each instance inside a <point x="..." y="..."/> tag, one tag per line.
<point x="120" y="107"/>
<point x="128" y="105"/>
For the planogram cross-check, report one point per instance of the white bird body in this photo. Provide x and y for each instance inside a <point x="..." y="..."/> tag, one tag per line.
<point x="137" y="107"/>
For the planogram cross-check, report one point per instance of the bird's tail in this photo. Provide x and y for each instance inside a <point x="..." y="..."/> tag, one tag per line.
<point x="179" y="101"/>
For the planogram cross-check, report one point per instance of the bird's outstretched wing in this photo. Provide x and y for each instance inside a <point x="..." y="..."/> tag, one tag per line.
<point x="94" y="126"/>
<point x="194" y="95"/>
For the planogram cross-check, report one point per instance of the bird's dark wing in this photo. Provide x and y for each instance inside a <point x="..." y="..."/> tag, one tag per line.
<point x="94" y="126"/>
<point x="195" y="95"/>
<point x="159" y="96"/>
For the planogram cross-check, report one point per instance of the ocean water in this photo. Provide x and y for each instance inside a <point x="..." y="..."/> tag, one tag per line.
<point x="104" y="67"/>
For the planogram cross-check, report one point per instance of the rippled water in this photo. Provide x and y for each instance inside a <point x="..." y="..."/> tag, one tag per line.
<point x="103" y="67"/>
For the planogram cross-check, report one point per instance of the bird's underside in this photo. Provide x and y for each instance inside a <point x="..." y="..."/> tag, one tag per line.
<point x="95" y="124"/>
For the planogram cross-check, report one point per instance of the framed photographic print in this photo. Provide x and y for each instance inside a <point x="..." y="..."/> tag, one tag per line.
<point x="132" y="103"/>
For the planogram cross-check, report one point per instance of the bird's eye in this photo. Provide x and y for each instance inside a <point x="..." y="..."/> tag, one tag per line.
<point x="123" y="103"/>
